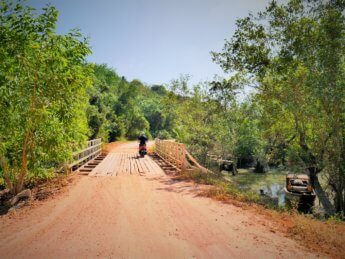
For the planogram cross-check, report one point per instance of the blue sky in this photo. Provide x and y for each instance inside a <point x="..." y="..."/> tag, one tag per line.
<point x="154" y="40"/>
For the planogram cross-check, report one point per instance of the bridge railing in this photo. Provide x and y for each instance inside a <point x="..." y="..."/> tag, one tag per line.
<point x="171" y="151"/>
<point x="92" y="149"/>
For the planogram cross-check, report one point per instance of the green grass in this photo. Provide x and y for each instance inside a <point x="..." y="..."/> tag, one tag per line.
<point x="222" y="189"/>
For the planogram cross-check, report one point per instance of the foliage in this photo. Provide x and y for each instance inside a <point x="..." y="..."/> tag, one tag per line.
<point x="114" y="106"/>
<point x="294" y="56"/>
<point x="43" y="78"/>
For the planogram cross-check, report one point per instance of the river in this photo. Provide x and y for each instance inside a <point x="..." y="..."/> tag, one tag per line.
<point x="271" y="182"/>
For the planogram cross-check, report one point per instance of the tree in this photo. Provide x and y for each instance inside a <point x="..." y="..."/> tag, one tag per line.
<point x="115" y="105"/>
<point x="43" y="81"/>
<point x="294" y="56"/>
<point x="103" y="97"/>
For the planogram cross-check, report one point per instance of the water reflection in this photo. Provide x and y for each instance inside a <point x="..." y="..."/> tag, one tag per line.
<point x="275" y="190"/>
<point x="272" y="182"/>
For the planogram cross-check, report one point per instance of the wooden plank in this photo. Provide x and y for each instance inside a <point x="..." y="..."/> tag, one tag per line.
<point x="84" y="158"/>
<point x="124" y="164"/>
<point x="149" y="165"/>
<point x="129" y="164"/>
<point x="92" y="149"/>
<point x="135" y="166"/>
<point x="87" y="149"/>
<point x="110" y="165"/>
<point x="103" y="166"/>
<point x="157" y="169"/>
<point x="116" y="164"/>
<point x="140" y="168"/>
<point x="121" y="167"/>
<point x="145" y="167"/>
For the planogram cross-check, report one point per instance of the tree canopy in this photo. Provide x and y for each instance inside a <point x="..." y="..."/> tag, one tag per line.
<point x="43" y="82"/>
<point x="293" y="55"/>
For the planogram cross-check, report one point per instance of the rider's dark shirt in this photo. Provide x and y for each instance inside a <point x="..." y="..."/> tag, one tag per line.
<point x="142" y="139"/>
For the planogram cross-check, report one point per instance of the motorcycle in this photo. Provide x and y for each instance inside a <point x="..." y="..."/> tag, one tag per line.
<point x="142" y="150"/>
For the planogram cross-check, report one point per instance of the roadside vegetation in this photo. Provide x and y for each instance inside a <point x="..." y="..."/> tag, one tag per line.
<point x="326" y="236"/>
<point x="282" y="104"/>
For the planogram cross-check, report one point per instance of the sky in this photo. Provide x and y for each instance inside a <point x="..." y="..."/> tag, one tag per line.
<point x="154" y="41"/>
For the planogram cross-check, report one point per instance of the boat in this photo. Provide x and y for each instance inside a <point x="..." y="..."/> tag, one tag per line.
<point x="298" y="185"/>
<point x="299" y="188"/>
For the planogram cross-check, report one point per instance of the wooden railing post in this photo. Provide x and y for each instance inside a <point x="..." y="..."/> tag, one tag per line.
<point x="171" y="151"/>
<point x="176" y="154"/>
<point x="183" y="157"/>
<point x="93" y="148"/>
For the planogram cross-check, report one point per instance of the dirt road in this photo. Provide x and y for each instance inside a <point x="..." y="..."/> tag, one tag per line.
<point x="134" y="216"/>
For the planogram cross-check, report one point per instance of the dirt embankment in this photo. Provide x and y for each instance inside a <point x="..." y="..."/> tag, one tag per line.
<point x="140" y="216"/>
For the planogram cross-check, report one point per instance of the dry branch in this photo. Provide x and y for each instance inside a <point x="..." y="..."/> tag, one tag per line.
<point x="23" y="194"/>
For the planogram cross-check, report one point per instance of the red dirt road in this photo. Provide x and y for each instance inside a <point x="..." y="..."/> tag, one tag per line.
<point x="133" y="216"/>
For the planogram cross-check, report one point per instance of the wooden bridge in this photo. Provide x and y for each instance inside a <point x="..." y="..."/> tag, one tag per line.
<point x="170" y="156"/>
<point x="115" y="163"/>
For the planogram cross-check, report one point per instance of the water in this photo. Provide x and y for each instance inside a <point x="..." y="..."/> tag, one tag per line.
<point x="271" y="182"/>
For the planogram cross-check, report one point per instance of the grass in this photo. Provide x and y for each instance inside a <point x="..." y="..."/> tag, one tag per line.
<point x="221" y="189"/>
<point x="327" y="236"/>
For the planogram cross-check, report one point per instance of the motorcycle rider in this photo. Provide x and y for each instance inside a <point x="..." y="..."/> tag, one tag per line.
<point x="142" y="145"/>
<point x="142" y="138"/>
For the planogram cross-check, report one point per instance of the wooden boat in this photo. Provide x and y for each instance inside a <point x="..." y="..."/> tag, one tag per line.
<point x="299" y="191"/>
<point x="298" y="185"/>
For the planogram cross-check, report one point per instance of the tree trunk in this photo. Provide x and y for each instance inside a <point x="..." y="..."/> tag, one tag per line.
<point x="339" y="198"/>
<point x="6" y="169"/>
<point x="339" y="202"/>
<point x="259" y="168"/>
<point x="321" y="194"/>
<point x="310" y="159"/>
<point x="234" y="168"/>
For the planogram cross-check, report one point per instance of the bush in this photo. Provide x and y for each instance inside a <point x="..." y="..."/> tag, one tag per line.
<point x="163" y="134"/>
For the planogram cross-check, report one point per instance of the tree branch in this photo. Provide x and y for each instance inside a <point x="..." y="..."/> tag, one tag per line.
<point x="6" y="169"/>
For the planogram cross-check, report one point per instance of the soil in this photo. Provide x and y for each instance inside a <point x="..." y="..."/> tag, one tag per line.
<point x="136" y="216"/>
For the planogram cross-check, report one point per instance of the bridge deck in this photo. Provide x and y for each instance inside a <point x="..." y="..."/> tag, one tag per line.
<point x="128" y="162"/>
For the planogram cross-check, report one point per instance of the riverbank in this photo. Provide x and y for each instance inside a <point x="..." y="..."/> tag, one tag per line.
<point x="327" y="236"/>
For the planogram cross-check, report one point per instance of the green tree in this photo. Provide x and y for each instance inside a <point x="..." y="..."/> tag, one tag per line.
<point x="103" y="98"/>
<point x="115" y="105"/>
<point x="294" y="56"/>
<point x="43" y="81"/>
